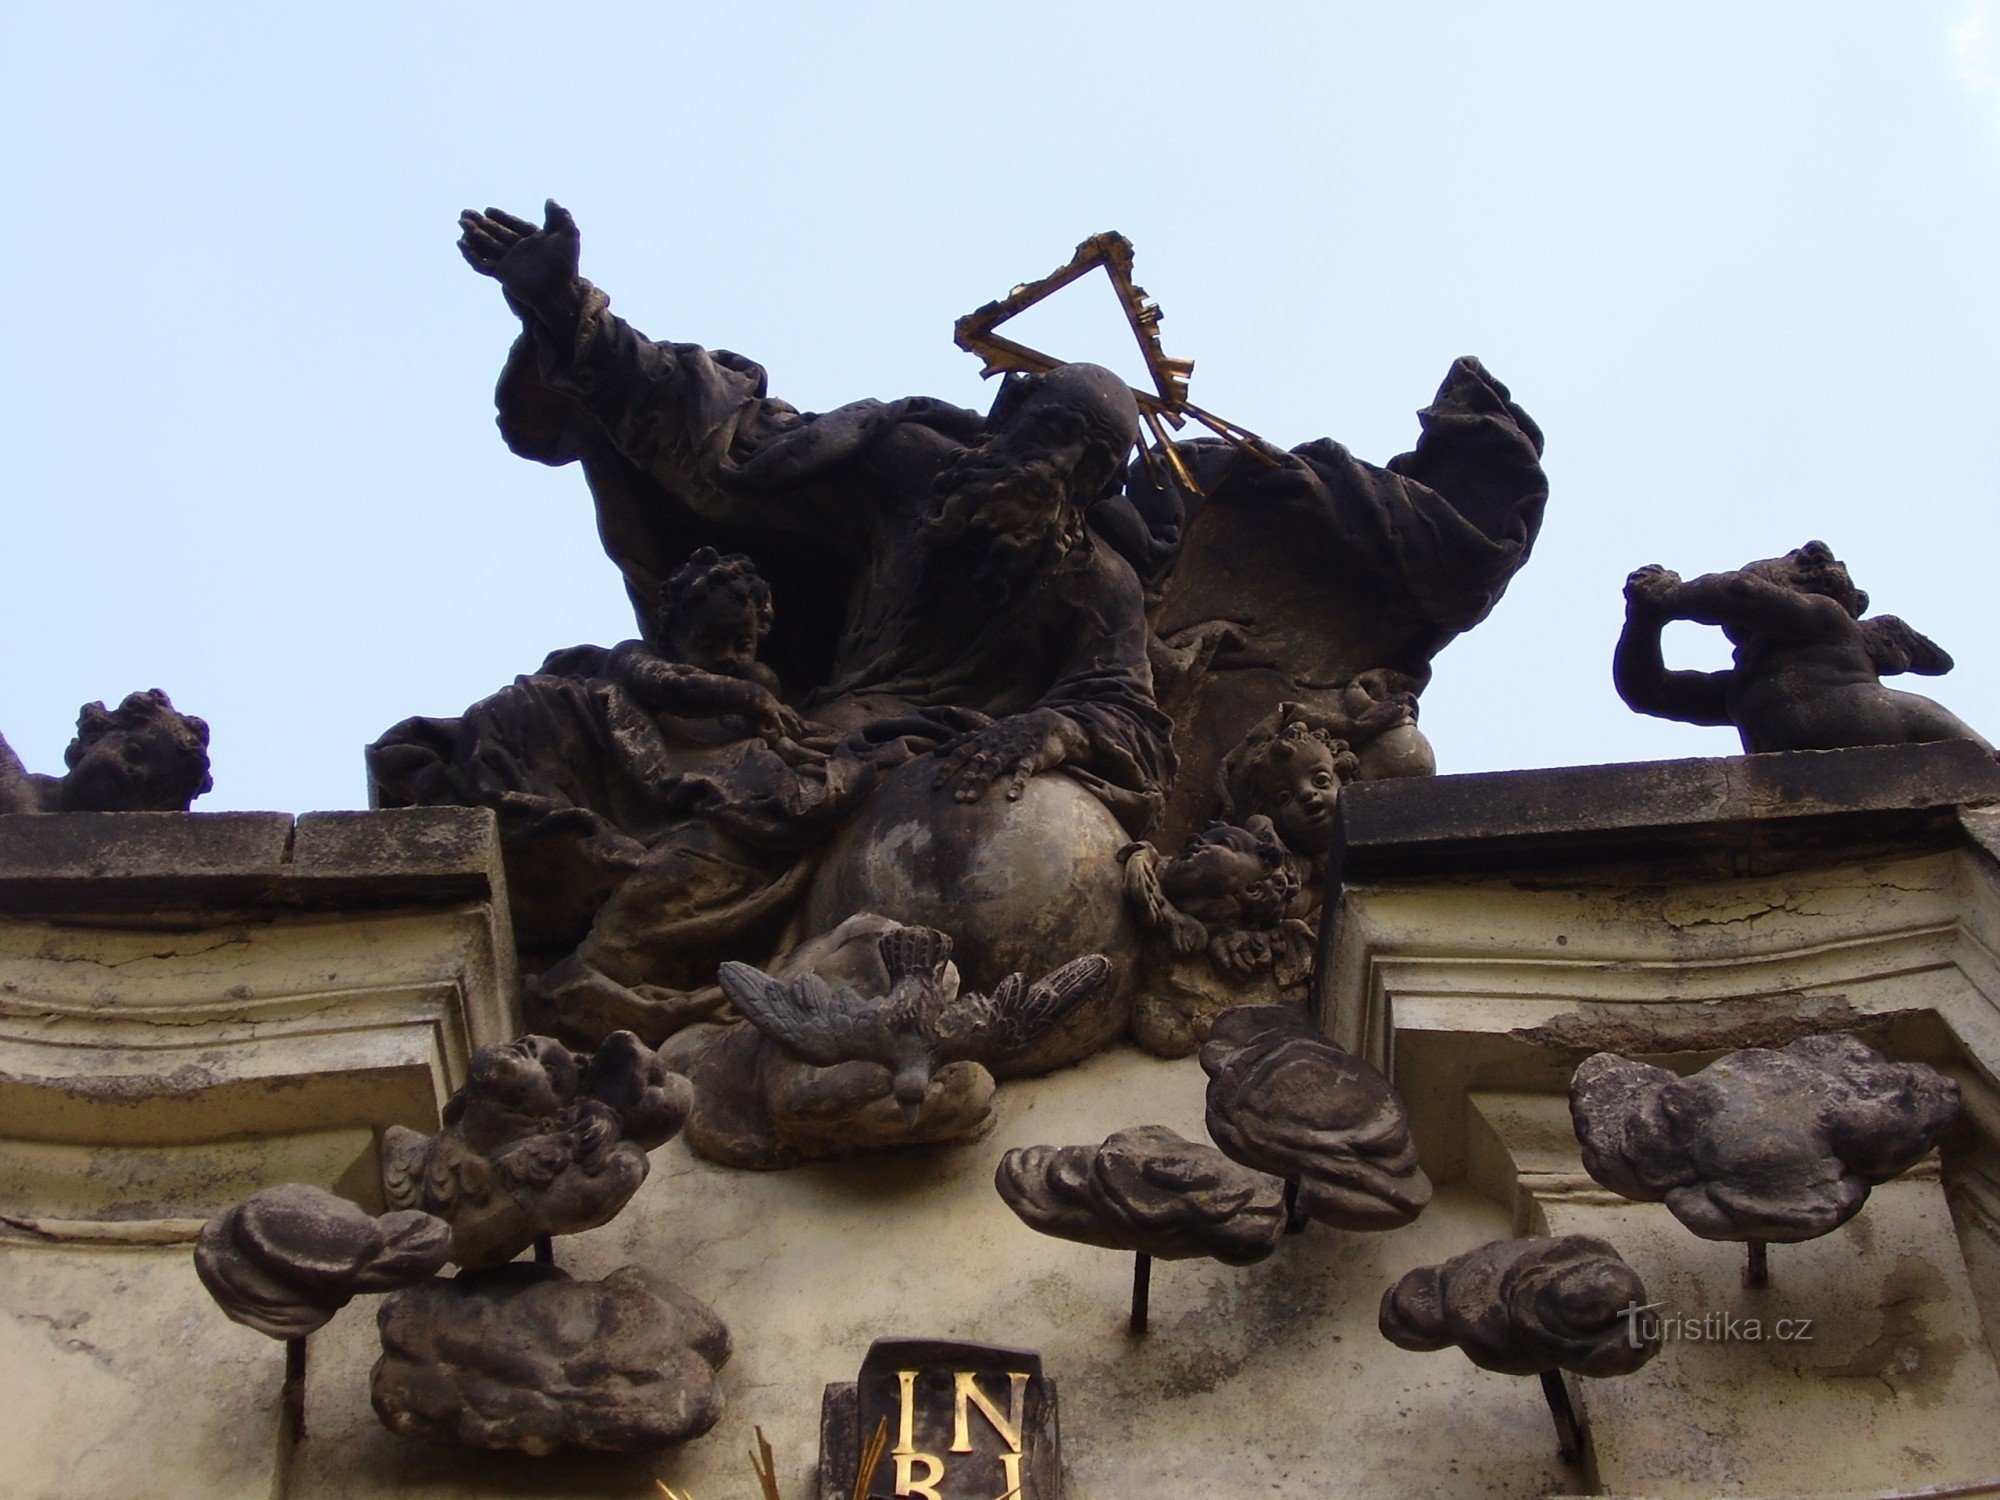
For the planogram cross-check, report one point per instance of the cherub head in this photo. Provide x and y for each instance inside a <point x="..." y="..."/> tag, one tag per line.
<point x="512" y="1087"/>
<point x="713" y="612"/>
<point x="1230" y="874"/>
<point x="1813" y="569"/>
<point x="141" y="756"/>
<point x="1292" y="776"/>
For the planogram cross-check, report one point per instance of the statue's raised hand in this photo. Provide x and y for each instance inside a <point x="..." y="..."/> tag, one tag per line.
<point x="532" y="264"/>
<point x="1651" y="588"/>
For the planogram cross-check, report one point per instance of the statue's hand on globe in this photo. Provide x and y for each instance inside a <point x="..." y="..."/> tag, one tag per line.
<point x="1015" y="748"/>
<point x="532" y="264"/>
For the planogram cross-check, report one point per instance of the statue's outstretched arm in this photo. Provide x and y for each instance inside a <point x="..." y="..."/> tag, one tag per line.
<point x="1638" y="668"/>
<point x="1750" y="604"/>
<point x="678" y="412"/>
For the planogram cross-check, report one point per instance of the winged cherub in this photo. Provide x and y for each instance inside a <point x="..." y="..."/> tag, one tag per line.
<point x="1809" y="668"/>
<point x="924" y="1021"/>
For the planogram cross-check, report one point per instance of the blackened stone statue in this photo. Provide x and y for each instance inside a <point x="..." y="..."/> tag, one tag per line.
<point x="938" y="696"/>
<point x="142" y="756"/>
<point x="656" y="801"/>
<point x="1809" y="668"/>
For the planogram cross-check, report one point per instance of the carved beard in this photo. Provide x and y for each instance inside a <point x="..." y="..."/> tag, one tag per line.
<point x="1009" y="513"/>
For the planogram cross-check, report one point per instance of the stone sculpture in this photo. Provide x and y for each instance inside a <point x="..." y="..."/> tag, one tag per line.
<point x="142" y="756"/>
<point x="655" y="801"/>
<point x="1148" y="1190"/>
<point x="1527" y="1307"/>
<point x="955" y="721"/>
<point x="1284" y="1100"/>
<point x="760" y="1105"/>
<point x="286" y="1259"/>
<point x="1245" y="892"/>
<point x="923" y="1022"/>
<point x="1531" y="1307"/>
<point x="863" y="1040"/>
<point x="523" y="1357"/>
<point x="537" y="1142"/>
<point x="1808" y="668"/>
<point x="1224" y="929"/>
<point x="1761" y="1144"/>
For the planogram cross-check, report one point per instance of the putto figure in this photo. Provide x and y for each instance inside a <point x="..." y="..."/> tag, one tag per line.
<point x="1809" y="668"/>
<point x="538" y="1141"/>
<point x="656" y="800"/>
<point x="142" y="756"/>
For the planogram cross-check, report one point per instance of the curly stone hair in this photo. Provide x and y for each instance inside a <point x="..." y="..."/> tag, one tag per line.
<point x="1273" y="743"/>
<point x="706" y="571"/>
<point x="178" y="772"/>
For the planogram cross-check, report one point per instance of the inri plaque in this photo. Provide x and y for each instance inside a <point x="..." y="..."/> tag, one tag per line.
<point x="960" y="1422"/>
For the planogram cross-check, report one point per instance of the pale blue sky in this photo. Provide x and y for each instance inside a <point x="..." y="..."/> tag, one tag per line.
<point x="1738" y="260"/>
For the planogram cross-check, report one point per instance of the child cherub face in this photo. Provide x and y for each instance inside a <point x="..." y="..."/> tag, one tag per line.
<point x="1297" y="783"/>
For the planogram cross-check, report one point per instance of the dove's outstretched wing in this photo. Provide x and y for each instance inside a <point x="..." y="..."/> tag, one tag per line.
<point x="806" y="1015"/>
<point x="978" y="1028"/>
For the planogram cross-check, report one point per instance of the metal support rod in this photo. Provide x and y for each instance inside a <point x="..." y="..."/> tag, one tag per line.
<point x="1569" y="1426"/>
<point x="545" y="1250"/>
<point x="1756" y="1266"/>
<point x="1295" y="1218"/>
<point x="1142" y="1293"/>
<point x="292" y="1395"/>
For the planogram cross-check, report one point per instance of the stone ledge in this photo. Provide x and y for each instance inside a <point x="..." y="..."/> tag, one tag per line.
<point x="1741" y="814"/>
<point x="94" y="862"/>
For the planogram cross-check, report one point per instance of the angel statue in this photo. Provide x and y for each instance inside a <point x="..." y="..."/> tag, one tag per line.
<point x="1809" y="668"/>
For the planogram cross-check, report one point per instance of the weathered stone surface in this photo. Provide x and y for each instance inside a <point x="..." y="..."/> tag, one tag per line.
<point x="1504" y="978"/>
<point x="539" y="1141"/>
<point x="810" y="1266"/>
<point x="1761" y="1144"/>
<point x="863" y="1041"/>
<point x="182" y="861"/>
<point x="523" y="1357"/>
<point x="1283" y="1099"/>
<point x="1742" y="813"/>
<point x="123" y="1380"/>
<point x="286" y="1259"/>
<point x="186" y="1019"/>
<point x="1526" y="1306"/>
<point x="1149" y="1190"/>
